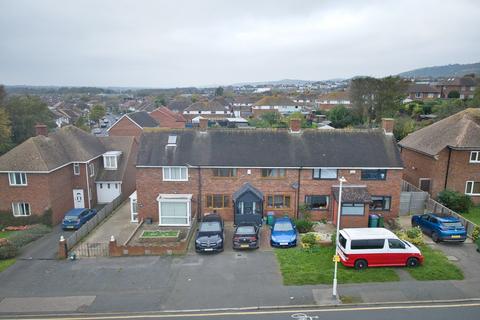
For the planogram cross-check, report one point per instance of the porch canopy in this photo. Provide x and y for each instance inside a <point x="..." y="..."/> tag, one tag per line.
<point x="352" y="194"/>
<point x="247" y="187"/>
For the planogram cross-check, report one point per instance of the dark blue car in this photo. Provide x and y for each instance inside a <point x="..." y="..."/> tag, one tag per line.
<point x="76" y="218"/>
<point x="440" y="228"/>
<point x="284" y="233"/>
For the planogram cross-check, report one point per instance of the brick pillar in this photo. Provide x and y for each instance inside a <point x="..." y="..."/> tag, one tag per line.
<point x="62" y="248"/>
<point x="41" y="130"/>
<point x="295" y="125"/>
<point x="112" y="247"/>
<point x="203" y="124"/>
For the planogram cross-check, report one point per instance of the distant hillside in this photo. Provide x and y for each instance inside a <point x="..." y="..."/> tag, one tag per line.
<point x="285" y="82"/>
<point x="444" y="71"/>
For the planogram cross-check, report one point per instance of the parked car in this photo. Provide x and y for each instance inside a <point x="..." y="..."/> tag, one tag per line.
<point x="284" y="233"/>
<point x="210" y="234"/>
<point x="441" y="228"/>
<point x="76" y="218"/>
<point x="375" y="247"/>
<point x="97" y="131"/>
<point x="246" y="236"/>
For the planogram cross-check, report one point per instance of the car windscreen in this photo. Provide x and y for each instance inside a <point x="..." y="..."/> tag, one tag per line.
<point x="71" y="218"/>
<point x="452" y="224"/>
<point x="210" y="226"/>
<point x="245" y="230"/>
<point x="282" y="226"/>
<point x="342" y="241"/>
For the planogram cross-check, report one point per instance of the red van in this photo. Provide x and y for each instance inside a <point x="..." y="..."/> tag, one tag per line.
<point x="376" y="247"/>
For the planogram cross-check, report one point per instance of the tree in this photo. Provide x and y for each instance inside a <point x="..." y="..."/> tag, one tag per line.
<point x="97" y="112"/>
<point x="219" y="92"/>
<point x="5" y="132"/>
<point x="160" y="101"/>
<point x="24" y="113"/>
<point x="342" y="117"/>
<point x="82" y="124"/>
<point x="454" y="94"/>
<point x="403" y="126"/>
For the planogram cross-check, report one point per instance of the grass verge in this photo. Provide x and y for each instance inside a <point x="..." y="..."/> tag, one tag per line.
<point x="435" y="267"/>
<point x="301" y="267"/>
<point x="4" y="264"/>
<point x="473" y="215"/>
<point x="5" y="234"/>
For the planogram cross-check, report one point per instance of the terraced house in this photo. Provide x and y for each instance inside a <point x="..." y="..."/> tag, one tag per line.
<point x="244" y="174"/>
<point x="66" y="169"/>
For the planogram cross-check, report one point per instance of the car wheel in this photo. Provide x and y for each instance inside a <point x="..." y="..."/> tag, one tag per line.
<point x="435" y="237"/>
<point x="412" y="262"/>
<point x="360" y="264"/>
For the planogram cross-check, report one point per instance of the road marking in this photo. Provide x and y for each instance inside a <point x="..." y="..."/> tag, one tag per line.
<point x="244" y="313"/>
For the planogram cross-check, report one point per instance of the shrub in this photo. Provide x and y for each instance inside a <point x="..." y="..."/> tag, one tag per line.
<point x="304" y="226"/>
<point x="7" y="219"/>
<point x="21" y="238"/>
<point x="455" y="201"/>
<point x="7" y="250"/>
<point x="476" y="233"/>
<point x="305" y="211"/>
<point x="309" y="239"/>
<point x="413" y="235"/>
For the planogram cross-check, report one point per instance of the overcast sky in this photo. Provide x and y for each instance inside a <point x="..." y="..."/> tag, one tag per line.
<point x="182" y="43"/>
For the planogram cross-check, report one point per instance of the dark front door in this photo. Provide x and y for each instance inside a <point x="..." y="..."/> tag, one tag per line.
<point x="248" y="212"/>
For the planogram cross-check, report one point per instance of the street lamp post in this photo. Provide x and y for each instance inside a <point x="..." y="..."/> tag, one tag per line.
<point x="339" y="211"/>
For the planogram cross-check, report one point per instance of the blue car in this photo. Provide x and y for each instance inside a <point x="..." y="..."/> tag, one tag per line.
<point x="76" y="218"/>
<point x="284" y="233"/>
<point x="440" y="228"/>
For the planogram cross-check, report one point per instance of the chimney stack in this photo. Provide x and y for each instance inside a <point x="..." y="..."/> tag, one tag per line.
<point x="203" y="124"/>
<point x="387" y="125"/>
<point x="41" y="130"/>
<point x="295" y="125"/>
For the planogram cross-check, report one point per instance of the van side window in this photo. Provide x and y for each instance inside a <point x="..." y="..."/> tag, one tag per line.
<point x="342" y="241"/>
<point x="367" y="244"/>
<point x="395" y="244"/>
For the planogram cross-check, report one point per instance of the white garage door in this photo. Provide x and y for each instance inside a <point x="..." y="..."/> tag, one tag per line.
<point x="107" y="191"/>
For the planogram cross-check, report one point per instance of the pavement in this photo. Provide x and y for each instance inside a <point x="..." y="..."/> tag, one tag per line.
<point x="117" y="225"/>
<point x="232" y="279"/>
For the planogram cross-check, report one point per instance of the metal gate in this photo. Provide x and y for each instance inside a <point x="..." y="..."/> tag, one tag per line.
<point x="412" y="202"/>
<point x="98" y="249"/>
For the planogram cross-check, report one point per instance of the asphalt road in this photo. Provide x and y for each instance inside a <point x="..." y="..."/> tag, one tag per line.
<point x="464" y="310"/>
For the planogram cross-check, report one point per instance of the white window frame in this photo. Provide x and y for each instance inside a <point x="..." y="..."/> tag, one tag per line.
<point x="175" y="198"/>
<point x="91" y="169"/>
<point x="76" y="168"/>
<point x="477" y="157"/>
<point x="13" y="180"/>
<point x="167" y="173"/>
<point x="470" y="192"/>
<point x="320" y="170"/>
<point x="354" y="205"/>
<point x="110" y="162"/>
<point x="23" y="205"/>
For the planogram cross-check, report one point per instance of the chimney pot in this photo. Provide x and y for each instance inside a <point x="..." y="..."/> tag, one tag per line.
<point x="41" y="130"/>
<point x="387" y="125"/>
<point x="295" y="125"/>
<point x="203" y="124"/>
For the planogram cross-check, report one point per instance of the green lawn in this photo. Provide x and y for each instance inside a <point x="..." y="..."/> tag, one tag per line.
<point x="4" y="264"/>
<point x="300" y="267"/>
<point x="473" y="215"/>
<point x="435" y="267"/>
<point x="5" y="234"/>
<point x="160" y="234"/>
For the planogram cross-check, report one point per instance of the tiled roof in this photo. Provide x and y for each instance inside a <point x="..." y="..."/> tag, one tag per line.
<point x="274" y="101"/>
<point x="143" y="119"/>
<point x="336" y="95"/>
<point x="461" y="130"/>
<point x="123" y="144"/>
<point x="423" y="88"/>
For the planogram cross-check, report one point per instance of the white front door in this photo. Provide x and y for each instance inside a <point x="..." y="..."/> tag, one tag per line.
<point x="78" y="201"/>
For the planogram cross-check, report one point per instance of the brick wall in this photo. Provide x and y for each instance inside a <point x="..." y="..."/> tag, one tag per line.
<point x="60" y="191"/>
<point x="150" y="185"/>
<point x="129" y="180"/>
<point x="461" y="171"/>
<point x="166" y="121"/>
<point x="125" y="127"/>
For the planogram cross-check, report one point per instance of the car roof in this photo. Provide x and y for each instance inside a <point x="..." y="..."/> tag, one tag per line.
<point x="75" y="212"/>
<point x="212" y="217"/>
<point x="283" y="219"/>
<point x="445" y="218"/>
<point x="368" y="233"/>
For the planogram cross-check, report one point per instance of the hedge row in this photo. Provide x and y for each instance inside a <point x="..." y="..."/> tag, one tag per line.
<point x="7" y="219"/>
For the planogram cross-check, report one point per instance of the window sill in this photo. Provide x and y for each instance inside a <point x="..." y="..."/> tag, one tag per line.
<point x="18" y="185"/>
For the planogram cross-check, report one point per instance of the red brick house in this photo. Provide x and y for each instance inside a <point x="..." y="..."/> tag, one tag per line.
<point x="215" y="110"/>
<point x="330" y="100"/>
<point x="244" y="174"/>
<point x="132" y="124"/>
<point x="66" y="169"/>
<point x="445" y="155"/>
<point x="465" y="86"/>
<point x="418" y="91"/>
<point x="167" y="118"/>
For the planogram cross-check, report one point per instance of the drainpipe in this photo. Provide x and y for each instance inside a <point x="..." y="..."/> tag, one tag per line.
<point x="88" y="185"/>
<point x="298" y="192"/>
<point x="199" y="202"/>
<point x="448" y="167"/>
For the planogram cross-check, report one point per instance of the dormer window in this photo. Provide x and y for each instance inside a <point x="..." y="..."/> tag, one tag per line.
<point x="172" y="141"/>
<point x="110" y="160"/>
